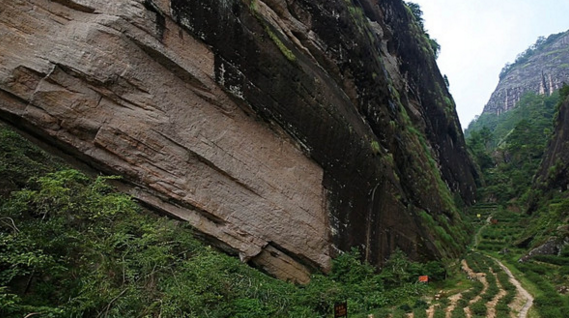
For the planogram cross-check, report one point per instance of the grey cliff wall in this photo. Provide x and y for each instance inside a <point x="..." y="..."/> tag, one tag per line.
<point x="544" y="72"/>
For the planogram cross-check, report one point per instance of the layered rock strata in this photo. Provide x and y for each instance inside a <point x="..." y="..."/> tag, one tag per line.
<point x="283" y="131"/>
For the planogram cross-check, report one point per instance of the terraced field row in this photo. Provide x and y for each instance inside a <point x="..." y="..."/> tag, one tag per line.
<point x="492" y="293"/>
<point x="501" y="236"/>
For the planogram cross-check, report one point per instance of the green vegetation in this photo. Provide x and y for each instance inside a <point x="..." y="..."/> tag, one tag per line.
<point x="71" y="246"/>
<point x="502" y="309"/>
<point x="415" y="10"/>
<point x="508" y="148"/>
<point x="544" y="274"/>
<point x="282" y="47"/>
<point x="549" y="302"/>
<point x="458" y="313"/>
<point x="439" y="312"/>
<point x="375" y="147"/>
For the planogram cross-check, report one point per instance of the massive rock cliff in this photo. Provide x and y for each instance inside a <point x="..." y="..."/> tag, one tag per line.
<point x="284" y="131"/>
<point x="541" y="69"/>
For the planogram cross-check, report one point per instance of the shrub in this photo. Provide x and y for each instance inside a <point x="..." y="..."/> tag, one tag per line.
<point x="478" y="308"/>
<point x="458" y="312"/>
<point x="419" y="313"/>
<point x="74" y="247"/>
<point x="439" y="312"/>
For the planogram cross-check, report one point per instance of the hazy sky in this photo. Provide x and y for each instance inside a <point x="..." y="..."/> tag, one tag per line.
<point x="478" y="37"/>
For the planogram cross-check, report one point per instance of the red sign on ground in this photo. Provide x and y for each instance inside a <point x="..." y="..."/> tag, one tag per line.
<point x="423" y="279"/>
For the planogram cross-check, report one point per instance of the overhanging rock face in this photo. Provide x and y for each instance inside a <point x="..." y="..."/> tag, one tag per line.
<point x="284" y="131"/>
<point x="102" y="80"/>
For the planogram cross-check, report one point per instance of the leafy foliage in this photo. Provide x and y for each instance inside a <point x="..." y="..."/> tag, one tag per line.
<point x="544" y="273"/>
<point x="71" y="246"/>
<point x="19" y="161"/>
<point x="508" y="148"/>
<point x="417" y="14"/>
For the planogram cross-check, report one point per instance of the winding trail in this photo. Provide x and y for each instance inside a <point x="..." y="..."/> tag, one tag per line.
<point x="522" y="291"/>
<point x="477" y="236"/>
<point x="522" y="295"/>
<point x="453" y="300"/>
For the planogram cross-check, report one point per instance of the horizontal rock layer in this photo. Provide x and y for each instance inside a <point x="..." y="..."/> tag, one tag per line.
<point x="283" y="131"/>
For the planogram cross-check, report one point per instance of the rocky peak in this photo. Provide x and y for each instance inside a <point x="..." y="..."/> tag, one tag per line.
<point x="542" y="69"/>
<point x="285" y="132"/>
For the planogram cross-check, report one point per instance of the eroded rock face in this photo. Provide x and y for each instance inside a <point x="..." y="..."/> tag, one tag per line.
<point x="284" y="131"/>
<point x="553" y="246"/>
<point x="542" y="73"/>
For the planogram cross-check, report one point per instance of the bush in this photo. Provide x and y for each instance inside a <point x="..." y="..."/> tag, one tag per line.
<point x="74" y="247"/>
<point x="399" y="313"/>
<point x="458" y="312"/>
<point x="405" y="307"/>
<point x="439" y="312"/>
<point x="420" y="304"/>
<point x="478" y="308"/>
<point x="420" y="313"/>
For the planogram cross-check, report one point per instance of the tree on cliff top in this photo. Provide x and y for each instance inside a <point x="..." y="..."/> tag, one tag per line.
<point x="418" y="15"/>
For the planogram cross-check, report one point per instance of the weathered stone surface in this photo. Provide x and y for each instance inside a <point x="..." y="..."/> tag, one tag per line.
<point x="106" y="84"/>
<point x="544" y="72"/>
<point x="284" y="131"/>
<point x="553" y="246"/>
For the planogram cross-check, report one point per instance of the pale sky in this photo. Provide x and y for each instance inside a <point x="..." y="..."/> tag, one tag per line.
<point x="478" y="37"/>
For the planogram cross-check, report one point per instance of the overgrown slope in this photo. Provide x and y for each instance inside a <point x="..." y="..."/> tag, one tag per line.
<point x="549" y="202"/>
<point x="71" y="246"/>
<point x="508" y="148"/>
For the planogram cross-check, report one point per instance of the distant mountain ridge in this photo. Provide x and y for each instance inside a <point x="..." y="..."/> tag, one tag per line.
<point x="542" y="69"/>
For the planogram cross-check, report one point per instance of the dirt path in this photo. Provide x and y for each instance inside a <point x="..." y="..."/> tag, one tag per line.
<point x="453" y="300"/>
<point x="477" y="236"/>
<point x="431" y="311"/>
<point x="456" y="297"/>
<point x="521" y="291"/>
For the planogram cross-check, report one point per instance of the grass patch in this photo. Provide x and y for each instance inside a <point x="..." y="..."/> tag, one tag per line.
<point x="282" y="47"/>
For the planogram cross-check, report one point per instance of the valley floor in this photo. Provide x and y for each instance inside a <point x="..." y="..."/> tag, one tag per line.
<point x="494" y="291"/>
<point x="485" y="300"/>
